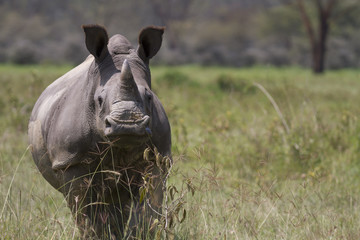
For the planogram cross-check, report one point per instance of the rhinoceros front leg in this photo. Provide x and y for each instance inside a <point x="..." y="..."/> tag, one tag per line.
<point x="103" y="205"/>
<point x="78" y="194"/>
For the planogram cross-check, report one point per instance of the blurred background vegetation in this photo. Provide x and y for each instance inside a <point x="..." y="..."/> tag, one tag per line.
<point x="293" y="175"/>
<point x="208" y="32"/>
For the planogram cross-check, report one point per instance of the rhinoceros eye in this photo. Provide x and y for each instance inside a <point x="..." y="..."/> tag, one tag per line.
<point x="148" y="95"/>
<point x="100" y="101"/>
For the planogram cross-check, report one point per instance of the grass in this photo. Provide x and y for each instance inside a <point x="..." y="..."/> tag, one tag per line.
<point x="250" y="177"/>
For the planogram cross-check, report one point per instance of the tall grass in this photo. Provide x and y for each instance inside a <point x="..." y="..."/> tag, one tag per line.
<point x="239" y="173"/>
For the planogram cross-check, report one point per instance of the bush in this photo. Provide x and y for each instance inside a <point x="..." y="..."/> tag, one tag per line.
<point x="174" y="78"/>
<point x="24" y="52"/>
<point x="228" y="83"/>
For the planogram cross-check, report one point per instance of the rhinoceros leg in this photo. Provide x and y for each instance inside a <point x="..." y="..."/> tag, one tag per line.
<point x="103" y="205"/>
<point x="105" y="199"/>
<point x="78" y="195"/>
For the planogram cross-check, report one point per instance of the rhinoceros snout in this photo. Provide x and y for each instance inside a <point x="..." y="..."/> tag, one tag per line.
<point x="115" y="128"/>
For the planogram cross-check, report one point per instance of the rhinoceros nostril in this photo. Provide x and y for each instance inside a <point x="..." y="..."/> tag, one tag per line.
<point x="107" y="123"/>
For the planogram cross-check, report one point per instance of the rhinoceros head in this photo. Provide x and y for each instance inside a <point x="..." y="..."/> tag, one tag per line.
<point x="121" y="107"/>
<point x="122" y="98"/>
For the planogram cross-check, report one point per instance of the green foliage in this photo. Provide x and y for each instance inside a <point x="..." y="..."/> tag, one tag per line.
<point x="174" y="78"/>
<point x="229" y="84"/>
<point x="237" y="172"/>
<point x="272" y="22"/>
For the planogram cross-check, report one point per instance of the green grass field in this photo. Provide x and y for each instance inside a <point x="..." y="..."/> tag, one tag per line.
<point x="260" y="153"/>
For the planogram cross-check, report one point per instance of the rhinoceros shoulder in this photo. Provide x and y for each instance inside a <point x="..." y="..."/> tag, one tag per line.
<point x="57" y="89"/>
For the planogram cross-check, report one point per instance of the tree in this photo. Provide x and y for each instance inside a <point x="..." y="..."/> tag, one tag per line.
<point x="318" y="37"/>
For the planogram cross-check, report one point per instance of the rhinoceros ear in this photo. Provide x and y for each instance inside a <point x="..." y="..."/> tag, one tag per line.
<point x="150" y="39"/>
<point x="96" y="40"/>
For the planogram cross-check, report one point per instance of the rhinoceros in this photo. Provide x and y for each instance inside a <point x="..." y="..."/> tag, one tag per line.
<point x="97" y="132"/>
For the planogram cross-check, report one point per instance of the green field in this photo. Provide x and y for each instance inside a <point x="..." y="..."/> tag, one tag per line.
<point x="260" y="153"/>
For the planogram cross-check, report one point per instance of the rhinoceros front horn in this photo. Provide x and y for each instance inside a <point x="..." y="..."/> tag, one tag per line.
<point x="128" y="88"/>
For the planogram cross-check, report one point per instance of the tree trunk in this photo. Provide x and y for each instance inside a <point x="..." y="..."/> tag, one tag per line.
<point x="319" y="48"/>
<point x="318" y="57"/>
<point x="317" y="39"/>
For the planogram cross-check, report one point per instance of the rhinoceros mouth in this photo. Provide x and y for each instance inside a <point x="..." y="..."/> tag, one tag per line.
<point x="127" y="131"/>
<point x="140" y="121"/>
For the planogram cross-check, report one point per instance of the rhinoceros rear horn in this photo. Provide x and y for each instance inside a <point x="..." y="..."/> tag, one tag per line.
<point x="128" y="87"/>
<point x="150" y="40"/>
<point x="96" y="40"/>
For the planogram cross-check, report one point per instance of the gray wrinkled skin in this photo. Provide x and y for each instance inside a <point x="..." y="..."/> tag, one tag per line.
<point x="89" y="129"/>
